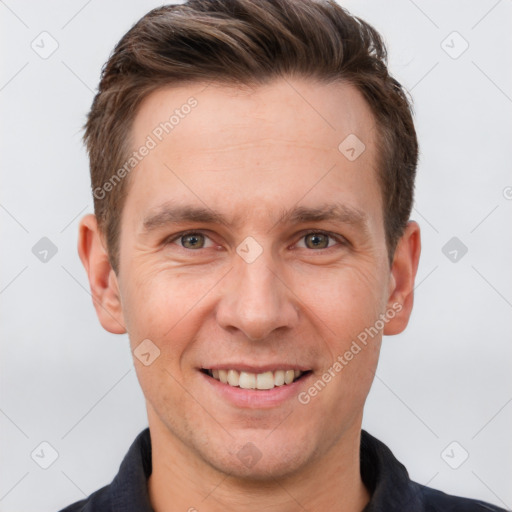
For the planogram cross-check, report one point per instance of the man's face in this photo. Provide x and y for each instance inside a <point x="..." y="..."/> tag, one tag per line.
<point x="255" y="291"/>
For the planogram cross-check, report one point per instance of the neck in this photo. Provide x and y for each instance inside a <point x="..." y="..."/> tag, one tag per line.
<point x="182" y="481"/>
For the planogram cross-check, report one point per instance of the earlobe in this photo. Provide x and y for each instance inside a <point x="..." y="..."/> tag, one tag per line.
<point x="102" y="279"/>
<point x="403" y="274"/>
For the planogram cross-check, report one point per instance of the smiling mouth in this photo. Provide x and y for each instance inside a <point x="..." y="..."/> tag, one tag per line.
<point x="260" y="381"/>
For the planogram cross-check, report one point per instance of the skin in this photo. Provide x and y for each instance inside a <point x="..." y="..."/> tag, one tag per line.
<point x="250" y="153"/>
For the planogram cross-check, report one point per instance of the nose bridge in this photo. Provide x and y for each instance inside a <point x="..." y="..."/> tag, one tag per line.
<point x="256" y="301"/>
<point x="257" y="283"/>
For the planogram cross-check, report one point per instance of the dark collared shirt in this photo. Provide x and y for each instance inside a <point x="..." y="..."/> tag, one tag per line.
<point x="386" y="479"/>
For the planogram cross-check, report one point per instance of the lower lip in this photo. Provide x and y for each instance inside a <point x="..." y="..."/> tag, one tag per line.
<point x="256" y="398"/>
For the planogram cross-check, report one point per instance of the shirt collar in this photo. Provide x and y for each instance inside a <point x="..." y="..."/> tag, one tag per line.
<point x="386" y="479"/>
<point x="129" y="489"/>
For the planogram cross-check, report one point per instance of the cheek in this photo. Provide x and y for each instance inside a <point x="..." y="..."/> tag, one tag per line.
<point x="156" y="301"/>
<point x="340" y="394"/>
<point x="348" y="303"/>
<point x="347" y="300"/>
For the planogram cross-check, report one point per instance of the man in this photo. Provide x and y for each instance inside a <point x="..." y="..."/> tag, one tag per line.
<point x="252" y="166"/>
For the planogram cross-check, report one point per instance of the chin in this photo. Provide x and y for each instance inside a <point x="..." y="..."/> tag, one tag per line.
<point x="265" y="470"/>
<point x="262" y="459"/>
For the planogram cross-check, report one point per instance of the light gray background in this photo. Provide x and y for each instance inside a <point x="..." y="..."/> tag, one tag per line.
<point x="66" y="381"/>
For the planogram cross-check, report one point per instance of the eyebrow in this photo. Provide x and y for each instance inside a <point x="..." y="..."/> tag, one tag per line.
<point x="168" y="214"/>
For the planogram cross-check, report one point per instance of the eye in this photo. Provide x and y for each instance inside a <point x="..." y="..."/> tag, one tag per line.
<point x="320" y="240"/>
<point x="190" y="240"/>
<point x="314" y="239"/>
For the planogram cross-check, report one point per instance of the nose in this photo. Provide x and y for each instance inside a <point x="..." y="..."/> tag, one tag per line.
<point x="256" y="300"/>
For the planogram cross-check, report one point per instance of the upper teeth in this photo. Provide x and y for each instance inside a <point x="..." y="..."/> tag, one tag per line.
<point x="246" y="380"/>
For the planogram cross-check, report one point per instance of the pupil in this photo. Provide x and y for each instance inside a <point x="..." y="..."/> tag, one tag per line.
<point x="316" y="239"/>
<point x="190" y="241"/>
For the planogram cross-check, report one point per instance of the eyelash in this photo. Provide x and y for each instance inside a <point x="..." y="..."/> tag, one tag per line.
<point x="338" y="238"/>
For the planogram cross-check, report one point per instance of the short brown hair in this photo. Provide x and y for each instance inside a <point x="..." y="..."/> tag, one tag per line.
<point x="248" y="42"/>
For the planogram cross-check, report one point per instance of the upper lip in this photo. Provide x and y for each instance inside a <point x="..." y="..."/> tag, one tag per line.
<point x="240" y="367"/>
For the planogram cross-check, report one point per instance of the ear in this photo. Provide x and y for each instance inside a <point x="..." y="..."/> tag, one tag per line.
<point x="102" y="278"/>
<point x="403" y="274"/>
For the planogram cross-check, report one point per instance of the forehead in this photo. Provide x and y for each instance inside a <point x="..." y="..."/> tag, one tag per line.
<point x="251" y="148"/>
<point x="295" y="110"/>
